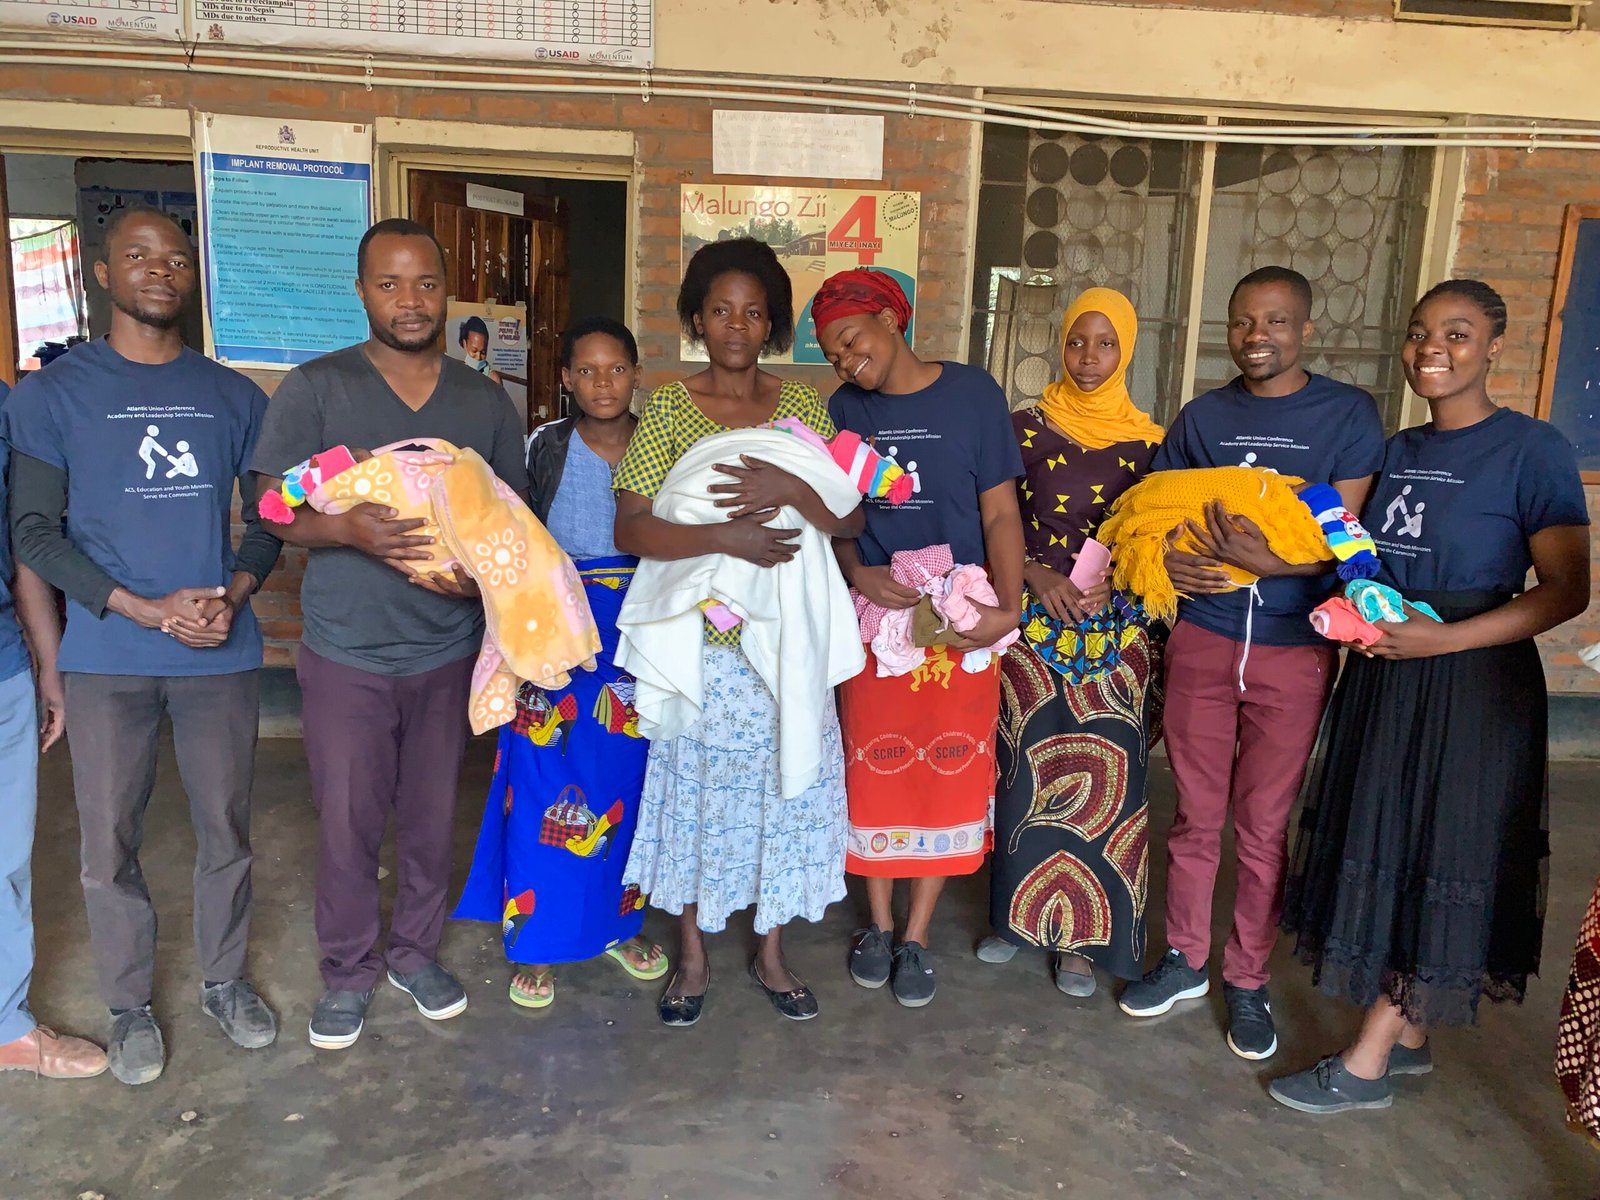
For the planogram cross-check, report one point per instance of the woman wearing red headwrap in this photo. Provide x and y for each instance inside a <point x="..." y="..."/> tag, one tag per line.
<point x="919" y="747"/>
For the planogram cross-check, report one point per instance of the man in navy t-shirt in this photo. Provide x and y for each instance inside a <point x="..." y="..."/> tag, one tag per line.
<point x="1246" y="676"/>
<point x="137" y="442"/>
<point x="25" y="1045"/>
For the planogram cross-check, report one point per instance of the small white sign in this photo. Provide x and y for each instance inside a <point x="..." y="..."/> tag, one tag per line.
<point x="492" y="199"/>
<point x="796" y="145"/>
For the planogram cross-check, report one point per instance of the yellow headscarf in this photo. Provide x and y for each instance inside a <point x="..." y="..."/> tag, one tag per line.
<point x="1106" y="415"/>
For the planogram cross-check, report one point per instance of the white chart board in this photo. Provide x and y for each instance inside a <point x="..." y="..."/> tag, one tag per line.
<point x="96" y="20"/>
<point x="611" y="32"/>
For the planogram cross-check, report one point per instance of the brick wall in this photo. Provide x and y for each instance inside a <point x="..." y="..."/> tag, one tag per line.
<point x="673" y="147"/>
<point x="1509" y="236"/>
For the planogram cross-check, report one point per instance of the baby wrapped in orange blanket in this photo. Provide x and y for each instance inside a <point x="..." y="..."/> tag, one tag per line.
<point x="539" y="625"/>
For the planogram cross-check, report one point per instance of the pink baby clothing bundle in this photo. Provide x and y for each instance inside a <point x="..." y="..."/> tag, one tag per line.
<point x="932" y="571"/>
<point x="953" y="599"/>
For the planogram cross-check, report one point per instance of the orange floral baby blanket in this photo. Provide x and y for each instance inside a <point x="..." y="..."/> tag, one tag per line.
<point x="539" y="627"/>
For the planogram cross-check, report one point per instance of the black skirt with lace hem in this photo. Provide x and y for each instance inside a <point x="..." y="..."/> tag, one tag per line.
<point x="1420" y="865"/>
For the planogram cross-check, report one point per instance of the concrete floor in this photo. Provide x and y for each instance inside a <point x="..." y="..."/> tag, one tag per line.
<point x="1002" y="1088"/>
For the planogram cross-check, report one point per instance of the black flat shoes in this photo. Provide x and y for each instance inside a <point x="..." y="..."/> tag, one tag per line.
<point x="681" y="1011"/>
<point x="798" y="1005"/>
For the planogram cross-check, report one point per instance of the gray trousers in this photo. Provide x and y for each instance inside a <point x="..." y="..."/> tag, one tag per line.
<point x="113" y="722"/>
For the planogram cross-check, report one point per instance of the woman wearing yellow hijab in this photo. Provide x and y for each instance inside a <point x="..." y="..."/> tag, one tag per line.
<point x="1077" y="702"/>
<point x="1093" y="407"/>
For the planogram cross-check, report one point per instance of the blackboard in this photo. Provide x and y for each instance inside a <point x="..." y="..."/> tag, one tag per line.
<point x="1569" y="387"/>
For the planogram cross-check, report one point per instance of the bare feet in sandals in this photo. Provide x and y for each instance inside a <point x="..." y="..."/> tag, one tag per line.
<point x="640" y="957"/>
<point x="533" y="987"/>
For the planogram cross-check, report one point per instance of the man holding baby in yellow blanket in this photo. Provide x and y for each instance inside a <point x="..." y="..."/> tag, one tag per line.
<point x="1247" y="677"/>
<point x="387" y="655"/>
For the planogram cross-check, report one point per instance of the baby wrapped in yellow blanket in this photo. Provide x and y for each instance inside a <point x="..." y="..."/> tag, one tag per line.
<point x="1144" y="517"/>
<point x="539" y="625"/>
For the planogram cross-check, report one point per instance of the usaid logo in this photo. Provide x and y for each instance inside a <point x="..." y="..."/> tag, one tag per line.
<point x="57" y="18"/>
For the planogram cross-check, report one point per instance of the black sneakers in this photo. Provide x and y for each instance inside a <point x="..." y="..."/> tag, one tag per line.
<point x="242" y="1013"/>
<point x="135" y="1049"/>
<point x="1251" y="1033"/>
<point x="914" y="980"/>
<point x="438" y="994"/>
<point x="1173" y="979"/>
<point x="1329" y="1088"/>
<point x="872" y="957"/>
<point x="337" y="1020"/>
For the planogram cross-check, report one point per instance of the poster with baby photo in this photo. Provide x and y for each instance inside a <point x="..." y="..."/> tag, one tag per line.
<point x="492" y="339"/>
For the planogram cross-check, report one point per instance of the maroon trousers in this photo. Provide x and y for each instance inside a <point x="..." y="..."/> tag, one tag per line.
<point x="376" y="745"/>
<point x="1241" y="748"/>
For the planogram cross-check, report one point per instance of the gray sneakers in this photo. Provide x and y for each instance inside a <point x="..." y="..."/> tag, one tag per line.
<point x="337" y="1020"/>
<point x="242" y="1013"/>
<point x="1173" y="979"/>
<point x="1329" y="1088"/>
<point x="914" y="982"/>
<point x="1405" y="1061"/>
<point x="872" y="957"/>
<point x="437" y="993"/>
<point x="135" y="1048"/>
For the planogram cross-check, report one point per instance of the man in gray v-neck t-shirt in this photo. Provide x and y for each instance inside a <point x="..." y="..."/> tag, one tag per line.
<point x="357" y="610"/>
<point x="386" y="663"/>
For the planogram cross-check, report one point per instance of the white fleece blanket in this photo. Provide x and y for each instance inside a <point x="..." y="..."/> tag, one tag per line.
<point x="799" y="630"/>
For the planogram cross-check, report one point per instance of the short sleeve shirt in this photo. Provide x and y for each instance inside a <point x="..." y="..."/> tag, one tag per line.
<point x="356" y="610"/>
<point x="151" y="453"/>
<point x="955" y="439"/>
<point x="1067" y="489"/>
<point x="1325" y="432"/>
<point x="1454" y="508"/>
<point x="672" y="422"/>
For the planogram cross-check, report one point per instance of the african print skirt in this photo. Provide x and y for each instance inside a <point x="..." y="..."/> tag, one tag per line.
<point x="563" y="805"/>
<point x="1578" y="1046"/>
<point x="1071" y="851"/>
<point x="919" y="767"/>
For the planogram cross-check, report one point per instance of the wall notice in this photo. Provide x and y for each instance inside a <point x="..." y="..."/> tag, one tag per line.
<point x="283" y="206"/>
<point x="803" y="145"/>
<point x="492" y="339"/>
<point x="815" y="232"/>
<point x="96" y="20"/>
<point x="618" y="33"/>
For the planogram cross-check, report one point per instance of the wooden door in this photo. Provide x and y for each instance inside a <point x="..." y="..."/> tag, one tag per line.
<point x="8" y="306"/>
<point x="505" y="259"/>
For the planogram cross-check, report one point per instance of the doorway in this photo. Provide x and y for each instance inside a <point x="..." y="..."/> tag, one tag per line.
<point x="55" y="208"/>
<point x="525" y="255"/>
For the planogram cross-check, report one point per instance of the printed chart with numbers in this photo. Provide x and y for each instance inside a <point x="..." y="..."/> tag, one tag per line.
<point x="612" y="32"/>
<point x="97" y="19"/>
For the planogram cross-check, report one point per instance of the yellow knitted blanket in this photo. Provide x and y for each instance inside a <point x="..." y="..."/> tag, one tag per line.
<point x="1145" y="515"/>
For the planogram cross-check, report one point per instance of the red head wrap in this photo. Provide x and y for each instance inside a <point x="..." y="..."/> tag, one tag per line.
<point x="852" y="293"/>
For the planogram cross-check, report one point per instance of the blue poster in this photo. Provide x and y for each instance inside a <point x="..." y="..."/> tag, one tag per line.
<point x="282" y="221"/>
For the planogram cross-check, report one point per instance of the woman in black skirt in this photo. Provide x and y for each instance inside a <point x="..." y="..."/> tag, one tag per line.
<point x="1417" y="883"/>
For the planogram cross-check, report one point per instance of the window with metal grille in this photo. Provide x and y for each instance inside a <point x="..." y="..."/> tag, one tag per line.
<point x="1062" y="212"/>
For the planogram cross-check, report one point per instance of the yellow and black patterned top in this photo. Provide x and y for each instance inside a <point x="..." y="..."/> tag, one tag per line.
<point x="672" y="422"/>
